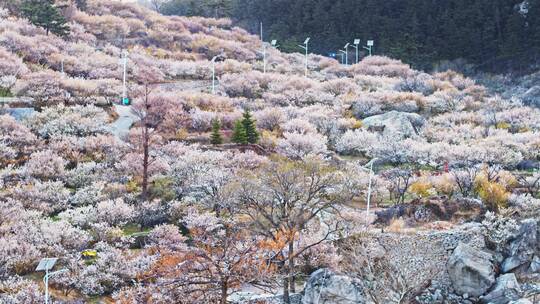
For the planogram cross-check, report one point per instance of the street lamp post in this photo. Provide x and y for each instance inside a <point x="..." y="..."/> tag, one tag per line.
<point x="47" y="264"/>
<point x="369" y="46"/>
<point x="214" y="59"/>
<point x="355" y="46"/>
<point x="371" y="174"/>
<point x="214" y="75"/>
<point x="346" y="51"/>
<point x="124" y="78"/>
<point x="305" y="47"/>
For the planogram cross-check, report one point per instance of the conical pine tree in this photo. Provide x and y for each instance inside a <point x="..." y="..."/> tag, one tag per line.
<point x="45" y="14"/>
<point x="215" y="137"/>
<point x="251" y="129"/>
<point x="239" y="133"/>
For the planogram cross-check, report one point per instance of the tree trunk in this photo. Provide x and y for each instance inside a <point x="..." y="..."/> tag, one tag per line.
<point x="286" y="297"/>
<point x="145" y="162"/>
<point x="291" y="267"/>
<point x="224" y="291"/>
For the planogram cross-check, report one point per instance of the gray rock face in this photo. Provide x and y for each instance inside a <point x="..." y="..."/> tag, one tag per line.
<point x="326" y="287"/>
<point x="506" y="289"/>
<point x="522" y="249"/>
<point x="532" y="96"/>
<point x="395" y="123"/>
<point x="535" y="265"/>
<point x="471" y="270"/>
<point x="520" y="301"/>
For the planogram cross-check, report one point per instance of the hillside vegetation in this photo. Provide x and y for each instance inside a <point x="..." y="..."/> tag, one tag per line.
<point x="495" y="35"/>
<point x="256" y="184"/>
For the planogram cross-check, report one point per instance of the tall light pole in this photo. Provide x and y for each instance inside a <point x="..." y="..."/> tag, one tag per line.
<point x="214" y="59"/>
<point x="214" y="74"/>
<point x="305" y="47"/>
<point x="62" y="67"/>
<point x="346" y="51"/>
<point x="355" y="46"/>
<point x="125" y="100"/>
<point x="47" y="264"/>
<point x="370" y="44"/>
<point x="371" y="174"/>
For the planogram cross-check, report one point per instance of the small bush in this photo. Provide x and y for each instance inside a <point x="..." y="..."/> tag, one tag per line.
<point x="493" y="194"/>
<point x="421" y="188"/>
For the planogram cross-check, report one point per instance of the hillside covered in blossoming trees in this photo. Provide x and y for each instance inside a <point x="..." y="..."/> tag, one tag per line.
<point x="258" y="189"/>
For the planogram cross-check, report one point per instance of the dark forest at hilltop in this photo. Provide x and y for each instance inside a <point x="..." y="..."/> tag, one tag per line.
<point x="494" y="34"/>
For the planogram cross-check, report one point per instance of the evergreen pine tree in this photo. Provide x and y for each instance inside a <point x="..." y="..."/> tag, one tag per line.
<point x="249" y="126"/>
<point x="239" y="133"/>
<point x="45" y="14"/>
<point x="215" y="137"/>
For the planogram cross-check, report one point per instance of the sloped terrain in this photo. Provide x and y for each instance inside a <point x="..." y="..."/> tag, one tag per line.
<point x="164" y="205"/>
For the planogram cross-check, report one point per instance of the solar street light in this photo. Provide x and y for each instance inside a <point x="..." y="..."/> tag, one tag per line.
<point x="370" y="44"/>
<point x="355" y="46"/>
<point x="305" y="47"/>
<point x="346" y="48"/>
<point x="46" y="265"/>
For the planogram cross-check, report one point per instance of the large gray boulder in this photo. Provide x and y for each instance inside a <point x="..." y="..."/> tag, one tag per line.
<point x="506" y="289"/>
<point x="327" y="287"/>
<point x="394" y="123"/>
<point x="523" y="248"/>
<point x="471" y="270"/>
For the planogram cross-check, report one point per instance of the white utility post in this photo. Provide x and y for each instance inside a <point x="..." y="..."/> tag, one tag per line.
<point x="305" y="47"/>
<point x="214" y="74"/>
<point x="124" y="78"/>
<point x="346" y="51"/>
<point x="371" y="174"/>
<point x="355" y="46"/>
<point x="62" y="67"/>
<point x="370" y="44"/>
<point x="47" y="264"/>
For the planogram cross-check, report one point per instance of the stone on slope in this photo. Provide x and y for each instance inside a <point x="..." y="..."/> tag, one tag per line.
<point x="394" y="123"/>
<point x="520" y="301"/>
<point x="523" y="248"/>
<point x="326" y="287"/>
<point x="535" y="265"/>
<point x="506" y="289"/>
<point x="471" y="270"/>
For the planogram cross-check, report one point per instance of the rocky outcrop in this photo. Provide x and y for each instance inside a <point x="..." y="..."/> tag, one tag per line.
<point x="523" y="247"/>
<point x="471" y="270"/>
<point x="327" y="287"/>
<point x="535" y="265"/>
<point x="506" y="289"/>
<point x="394" y="123"/>
<point x="532" y="97"/>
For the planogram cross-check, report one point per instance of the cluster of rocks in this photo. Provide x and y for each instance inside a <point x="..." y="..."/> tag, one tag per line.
<point x="470" y="270"/>
<point x="326" y="287"/>
<point x="479" y="275"/>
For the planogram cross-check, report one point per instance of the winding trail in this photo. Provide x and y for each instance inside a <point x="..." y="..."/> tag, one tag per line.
<point x="126" y="118"/>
